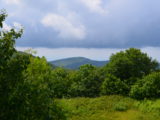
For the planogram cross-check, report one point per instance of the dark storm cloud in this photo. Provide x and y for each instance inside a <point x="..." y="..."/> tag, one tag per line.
<point x="88" y="24"/>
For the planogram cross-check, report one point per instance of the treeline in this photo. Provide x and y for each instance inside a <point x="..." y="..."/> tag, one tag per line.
<point x="29" y="85"/>
<point x="129" y="73"/>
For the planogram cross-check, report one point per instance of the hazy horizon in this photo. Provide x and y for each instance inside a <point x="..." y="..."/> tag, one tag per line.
<point x="92" y="53"/>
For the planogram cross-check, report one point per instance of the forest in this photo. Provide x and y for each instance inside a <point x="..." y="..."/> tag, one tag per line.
<point x="33" y="89"/>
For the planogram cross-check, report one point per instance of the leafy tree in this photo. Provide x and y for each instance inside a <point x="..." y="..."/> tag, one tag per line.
<point x="86" y="82"/>
<point x="112" y="85"/>
<point x="12" y="79"/>
<point x="24" y="91"/>
<point x="37" y="89"/>
<point x="148" y="87"/>
<point x="129" y="65"/>
<point x="60" y="82"/>
<point x="8" y="81"/>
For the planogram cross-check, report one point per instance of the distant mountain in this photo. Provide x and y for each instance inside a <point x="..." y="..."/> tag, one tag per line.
<point x="76" y="62"/>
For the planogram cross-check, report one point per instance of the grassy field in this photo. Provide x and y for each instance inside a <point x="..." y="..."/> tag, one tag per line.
<point x="110" y="108"/>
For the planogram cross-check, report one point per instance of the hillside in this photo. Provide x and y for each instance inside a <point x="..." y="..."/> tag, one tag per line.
<point x="110" y="108"/>
<point x="76" y="62"/>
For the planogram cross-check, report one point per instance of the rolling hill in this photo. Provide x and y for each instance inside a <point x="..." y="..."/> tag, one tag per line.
<point x="76" y="62"/>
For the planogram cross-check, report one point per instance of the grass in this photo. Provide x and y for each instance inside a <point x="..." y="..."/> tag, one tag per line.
<point x="110" y="108"/>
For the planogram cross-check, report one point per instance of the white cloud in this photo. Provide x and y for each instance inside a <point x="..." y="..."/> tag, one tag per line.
<point x="16" y="2"/>
<point x="94" y="5"/>
<point x="64" y="26"/>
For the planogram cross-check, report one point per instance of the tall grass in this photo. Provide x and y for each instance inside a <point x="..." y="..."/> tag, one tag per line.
<point x="110" y="108"/>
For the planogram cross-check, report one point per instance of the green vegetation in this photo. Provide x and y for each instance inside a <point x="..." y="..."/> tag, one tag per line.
<point x="113" y="85"/>
<point x="86" y="82"/>
<point x="130" y="65"/>
<point x="148" y="87"/>
<point x="25" y="93"/>
<point x="60" y="83"/>
<point x="110" y="108"/>
<point x="33" y="89"/>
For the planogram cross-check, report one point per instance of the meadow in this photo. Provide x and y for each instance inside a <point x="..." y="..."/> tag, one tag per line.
<point x="110" y="108"/>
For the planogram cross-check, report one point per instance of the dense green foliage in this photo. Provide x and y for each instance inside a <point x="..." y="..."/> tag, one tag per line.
<point x="130" y="65"/>
<point x="38" y="91"/>
<point x="148" y="87"/>
<point x="86" y="82"/>
<point x="111" y="108"/>
<point x="113" y="85"/>
<point x="60" y="83"/>
<point x="24" y="82"/>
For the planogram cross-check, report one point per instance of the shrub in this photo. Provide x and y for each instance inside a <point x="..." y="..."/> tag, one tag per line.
<point x="113" y="85"/>
<point x="148" y="87"/>
<point x="60" y="82"/>
<point x="120" y="106"/>
<point x="86" y="82"/>
<point x="38" y="103"/>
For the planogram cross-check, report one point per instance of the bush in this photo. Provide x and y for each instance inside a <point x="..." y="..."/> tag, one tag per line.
<point x="38" y="101"/>
<point x="148" y="87"/>
<point x="113" y="85"/>
<point x="60" y="82"/>
<point x="120" y="106"/>
<point x="86" y="82"/>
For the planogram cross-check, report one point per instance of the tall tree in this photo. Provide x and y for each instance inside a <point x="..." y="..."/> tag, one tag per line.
<point x="7" y="41"/>
<point x="24" y="90"/>
<point x="86" y="81"/>
<point x="129" y="65"/>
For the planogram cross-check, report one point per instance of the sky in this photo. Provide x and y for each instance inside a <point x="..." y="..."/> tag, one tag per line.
<point x="89" y="28"/>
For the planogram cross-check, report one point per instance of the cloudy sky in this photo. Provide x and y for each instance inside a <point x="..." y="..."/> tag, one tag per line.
<point x="89" y="28"/>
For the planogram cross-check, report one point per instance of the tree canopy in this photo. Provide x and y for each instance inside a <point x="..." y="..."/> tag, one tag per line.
<point x="24" y="82"/>
<point x="130" y="65"/>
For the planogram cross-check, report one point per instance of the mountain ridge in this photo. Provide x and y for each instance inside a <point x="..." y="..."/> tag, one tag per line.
<point x="76" y="62"/>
